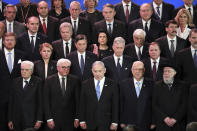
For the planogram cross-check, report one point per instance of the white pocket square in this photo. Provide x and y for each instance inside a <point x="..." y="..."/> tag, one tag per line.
<point x="19" y="61"/>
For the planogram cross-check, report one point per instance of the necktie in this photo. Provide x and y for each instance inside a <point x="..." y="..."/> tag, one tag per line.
<point x="158" y="11"/>
<point x="138" y="89"/>
<point x="82" y="64"/>
<point x="195" y="58"/>
<point x="127" y="13"/>
<point x="67" y="49"/>
<point x="172" y="47"/>
<point x="98" y="92"/>
<point x="169" y="86"/>
<point x="44" y="27"/>
<point x="32" y="43"/>
<point x="146" y="28"/>
<point x="75" y="28"/>
<point x="190" y="11"/>
<point x="118" y="65"/>
<point x="10" y="61"/>
<point x="26" y="85"/>
<point x="139" y="53"/>
<point x="63" y="86"/>
<point x="109" y="29"/>
<point x="154" y="70"/>
<point x="10" y="28"/>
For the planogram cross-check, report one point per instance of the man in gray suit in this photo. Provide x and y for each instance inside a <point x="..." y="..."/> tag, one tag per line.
<point x="10" y="24"/>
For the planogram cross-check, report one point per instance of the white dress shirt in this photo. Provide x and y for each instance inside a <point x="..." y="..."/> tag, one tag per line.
<point x="112" y="24"/>
<point x="69" y="45"/>
<point x="157" y="63"/>
<point x="125" y="7"/>
<point x="1" y="44"/>
<point x="148" y="24"/>
<point x="160" y="8"/>
<point x="137" y="49"/>
<point x="12" y="25"/>
<point x="41" y="20"/>
<point x="141" y="82"/>
<point x="77" y="22"/>
<point x="35" y="35"/>
<point x="79" y="57"/>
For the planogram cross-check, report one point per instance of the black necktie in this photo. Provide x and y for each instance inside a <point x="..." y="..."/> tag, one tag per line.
<point x="158" y="11"/>
<point x="146" y="28"/>
<point x="154" y="70"/>
<point x="195" y="58"/>
<point x="67" y="49"/>
<point x="63" y="86"/>
<point x="109" y="29"/>
<point x="139" y="53"/>
<point x="26" y="85"/>
<point x="75" y="28"/>
<point x="118" y="65"/>
<point x="32" y="43"/>
<point x="172" y="47"/>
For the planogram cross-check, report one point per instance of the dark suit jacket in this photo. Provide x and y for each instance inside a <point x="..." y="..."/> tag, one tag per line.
<point x="84" y="27"/>
<point x="62" y="109"/>
<point x="164" y="47"/>
<point x="52" y="28"/>
<point x="58" y="51"/>
<point x="2" y="17"/>
<point x="148" y="69"/>
<point x="135" y="110"/>
<point x="111" y="68"/>
<point x="170" y="103"/>
<point x="130" y="51"/>
<point x="39" y="68"/>
<point x="185" y="66"/>
<point x="155" y="31"/>
<point x="192" y="110"/>
<point x="18" y="28"/>
<point x="25" y="106"/>
<point x="167" y="14"/>
<point x="75" y="69"/>
<point x="118" y="30"/>
<point x="99" y="113"/>
<point x="23" y="43"/>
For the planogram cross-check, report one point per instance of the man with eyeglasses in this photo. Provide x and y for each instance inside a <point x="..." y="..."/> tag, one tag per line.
<point x="61" y="98"/>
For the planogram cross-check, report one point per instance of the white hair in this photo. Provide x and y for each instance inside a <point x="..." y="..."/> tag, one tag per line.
<point x="98" y="63"/>
<point x="28" y="63"/>
<point x="63" y="60"/>
<point x="119" y="40"/>
<point x="66" y="24"/>
<point x="138" y="32"/>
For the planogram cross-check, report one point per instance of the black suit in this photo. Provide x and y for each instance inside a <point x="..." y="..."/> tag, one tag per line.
<point x="99" y="114"/>
<point x="167" y="12"/>
<point x="185" y="65"/>
<point x="23" y="43"/>
<point x="39" y="68"/>
<point x="25" y="105"/>
<point x="58" y="51"/>
<point x="62" y="109"/>
<point x="155" y="31"/>
<point x="118" y="30"/>
<point x="111" y="68"/>
<point x="192" y="112"/>
<point x="135" y="110"/>
<point x="75" y="69"/>
<point x="131" y="51"/>
<point x="170" y="103"/>
<point x="52" y="28"/>
<point x="149" y="70"/>
<point x="2" y="17"/>
<point x="164" y="46"/>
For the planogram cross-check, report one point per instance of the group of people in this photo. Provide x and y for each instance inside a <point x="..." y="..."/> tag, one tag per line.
<point x="68" y="69"/>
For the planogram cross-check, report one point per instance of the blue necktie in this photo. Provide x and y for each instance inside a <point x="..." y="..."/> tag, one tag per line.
<point x="98" y="93"/>
<point x="118" y="65"/>
<point x="82" y="64"/>
<point x="138" y="89"/>
<point x="26" y="85"/>
<point x="158" y="11"/>
<point x="195" y="58"/>
<point x="10" y="61"/>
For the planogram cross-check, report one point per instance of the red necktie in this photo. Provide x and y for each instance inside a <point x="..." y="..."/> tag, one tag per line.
<point x="154" y="70"/>
<point x="127" y="13"/>
<point x="44" y="27"/>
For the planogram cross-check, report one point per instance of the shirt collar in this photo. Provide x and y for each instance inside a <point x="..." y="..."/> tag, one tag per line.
<point x="27" y="79"/>
<point x="73" y="19"/>
<point x="31" y="34"/>
<point x="157" y="60"/>
<point x="155" y="5"/>
<point x="170" y="38"/>
<point x="69" y="41"/>
<point x="41" y="18"/>
<point x="188" y="7"/>
<point x="121" y="57"/>
<point x="84" y="53"/>
<point x="60" y="76"/>
<point x="192" y="48"/>
<point x="144" y="22"/>
<point x="141" y="81"/>
<point x="9" y="22"/>
<point x="124" y="4"/>
<point x="101" y="81"/>
<point x="110" y="22"/>
<point x="6" y="51"/>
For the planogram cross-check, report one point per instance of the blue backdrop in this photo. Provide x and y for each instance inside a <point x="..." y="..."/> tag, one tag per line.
<point x="176" y="3"/>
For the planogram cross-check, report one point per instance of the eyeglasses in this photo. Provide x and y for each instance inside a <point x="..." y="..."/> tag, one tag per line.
<point x="65" y="67"/>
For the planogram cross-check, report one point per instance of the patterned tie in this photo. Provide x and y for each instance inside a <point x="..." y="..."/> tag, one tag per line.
<point x="158" y="11"/>
<point x="172" y="47"/>
<point x="26" y="85"/>
<point x="195" y="58"/>
<point x="10" y="28"/>
<point x="66" y="49"/>
<point x="118" y="65"/>
<point x="98" y="92"/>
<point x="44" y="27"/>
<point x="154" y="70"/>
<point x="32" y="43"/>
<point x="127" y="13"/>
<point x="10" y="61"/>
<point x="82" y="64"/>
<point x="63" y="86"/>
<point x="109" y="29"/>
<point x="138" y="89"/>
<point x="75" y="28"/>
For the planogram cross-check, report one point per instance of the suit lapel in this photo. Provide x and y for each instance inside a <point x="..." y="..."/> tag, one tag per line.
<point x="122" y="12"/>
<point x="93" y="90"/>
<point x="104" y="91"/>
<point x="78" y="63"/>
<point x="61" y="50"/>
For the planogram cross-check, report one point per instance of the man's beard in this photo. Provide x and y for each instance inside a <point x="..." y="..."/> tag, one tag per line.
<point x="169" y="81"/>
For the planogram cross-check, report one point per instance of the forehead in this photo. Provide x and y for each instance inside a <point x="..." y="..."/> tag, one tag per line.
<point x="33" y="20"/>
<point x="107" y="9"/>
<point x="97" y="67"/>
<point x="81" y="41"/>
<point x="102" y="34"/>
<point x="25" y="66"/>
<point x="172" y="24"/>
<point x="145" y="7"/>
<point x="193" y="34"/>
<point x="75" y="6"/>
<point x="11" y="8"/>
<point x="9" y="37"/>
<point x="154" y="46"/>
<point x="168" y="68"/>
<point x="138" y="65"/>
<point x="64" y="63"/>
<point x="42" y="4"/>
<point x="65" y="28"/>
<point x="139" y="35"/>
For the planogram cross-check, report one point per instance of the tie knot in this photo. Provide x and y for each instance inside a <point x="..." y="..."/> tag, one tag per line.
<point x="43" y="19"/>
<point x="138" y="83"/>
<point x="32" y="36"/>
<point x="66" y="43"/>
<point x="154" y="62"/>
<point x="9" y="53"/>
<point x="189" y="9"/>
<point x="118" y="59"/>
<point x="26" y="82"/>
<point x="75" y="21"/>
<point x="63" y="78"/>
<point x="98" y="82"/>
<point x="127" y="6"/>
<point x="109" y="24"/>
<point x="172" y="41"/>
<point x="158" y="7"/>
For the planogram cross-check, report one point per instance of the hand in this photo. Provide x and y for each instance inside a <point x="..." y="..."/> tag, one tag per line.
<point x="167" y="121"/>
<point x="51" y="124"/>
<point x="10" y="125"/>
<point x="113" y="127"/>
<point x="173" y="121"/>
<point x="95" y="50"/>
<point x="83" y="126"/>
<point x="122" y="125"/>
<point x="37" y="125"/>
<point x="152" y="126"/>
<point x="76" y="123"/>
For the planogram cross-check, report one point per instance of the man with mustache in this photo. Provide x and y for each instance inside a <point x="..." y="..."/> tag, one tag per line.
<point x="170" y="44"/>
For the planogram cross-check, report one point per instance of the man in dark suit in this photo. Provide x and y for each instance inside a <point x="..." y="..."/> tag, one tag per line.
<point x="25" y="9"/>
<point x="99" y="101"/>
<point x="162" y="11"/>
<point x="139" y="49"/>
<point x="169" y="102"/>
<point x="113" y="27"/>
<point x="153" y="28"/>
<point x="25" y="104"/>
<point x="135" y="99"/>
<point x="192" y="112"/>
<point x="186" y="60"/>
<point x="170" y="44"/>
<point x="153" y="64"/>
<point x="10" y="24"/>
<point x="80" y="25"/>
<point x="30" y="41"/>
<point x="188" y="4"/>
<point x="48" y="25"/>
<point x="118" y="65"/>
<point x="2" y="30"/>
<point x="3" y="4"/>
<point x="61" y="98"/>
<point x="65" y="45"/>
<point x="81" y="59"/>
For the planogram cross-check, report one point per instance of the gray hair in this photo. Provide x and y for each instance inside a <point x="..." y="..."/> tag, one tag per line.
<point x="28" y="63"/>
<point x="138" y="32"/>
<point x="119" y="40"/>
<point x="66" y="24"/>
<point x="63" y="60"/>
<point x="98" y="63"/>
<point x="192" y="126"/>
<point x="9" y="5"/>
<point x="137" y="62"/>
<point x="75" y="2"/>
